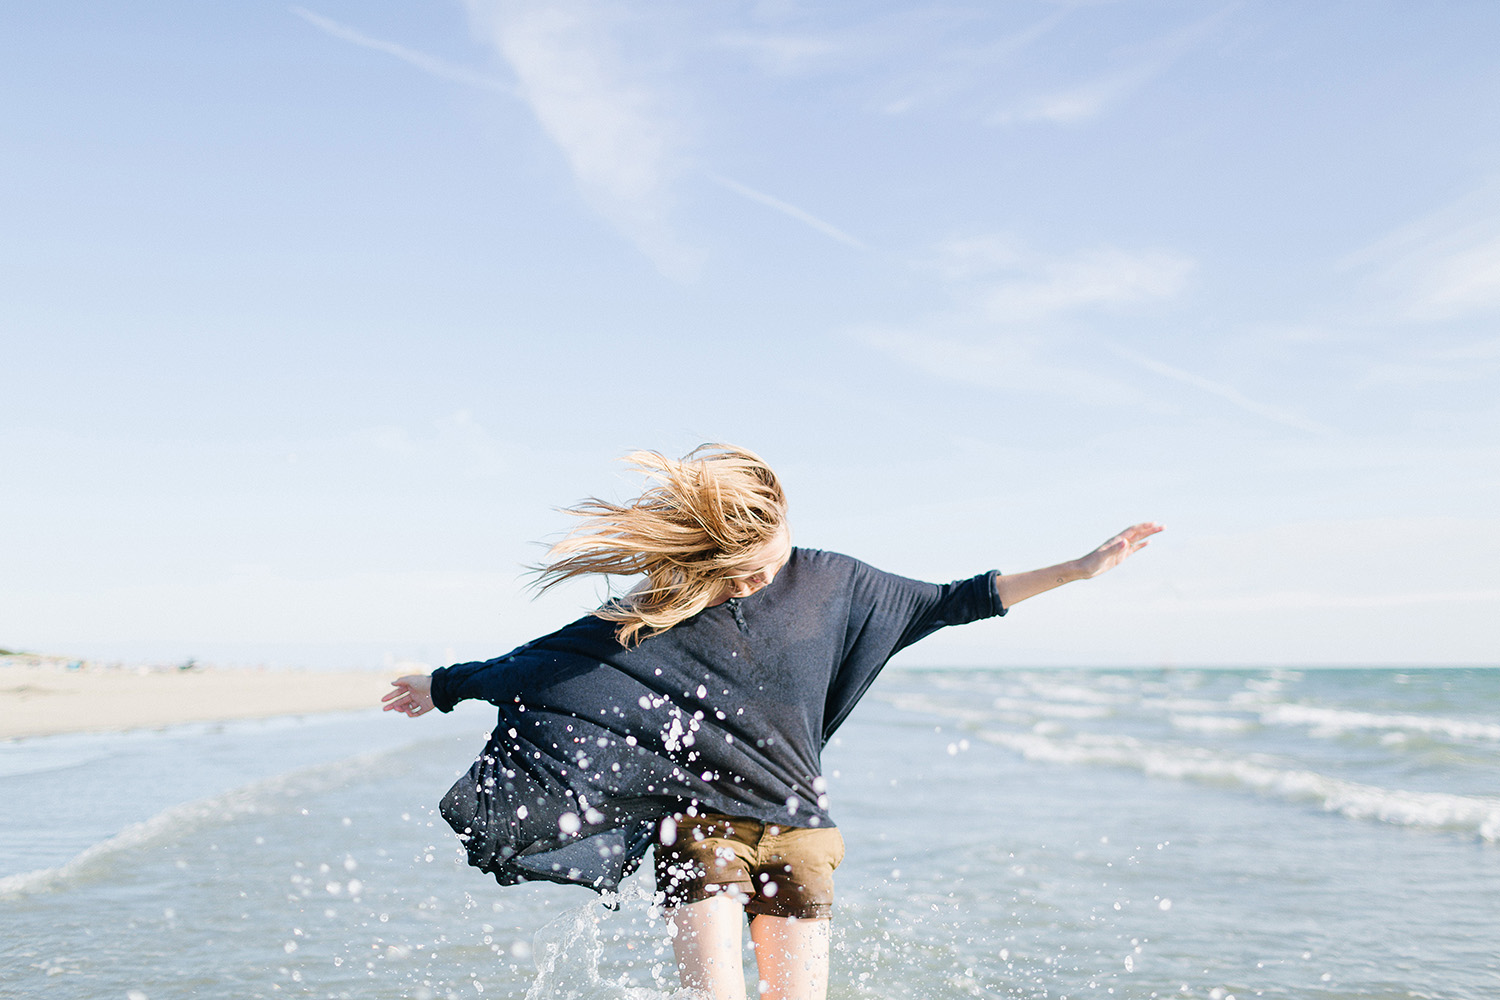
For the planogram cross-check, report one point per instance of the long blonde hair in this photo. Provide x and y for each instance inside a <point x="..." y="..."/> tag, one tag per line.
<point x="699" y="521"/>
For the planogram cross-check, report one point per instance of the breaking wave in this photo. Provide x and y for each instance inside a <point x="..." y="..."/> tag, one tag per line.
<point x="1474" y="815"/>
<point x="1470" y="814"/>
<point x="175" y="822"/>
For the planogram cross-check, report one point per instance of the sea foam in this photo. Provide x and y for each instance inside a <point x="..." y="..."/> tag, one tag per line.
<point x="1470" y="814"/>
<point x="1337" y="719"/>
<point x="178" y="821"/>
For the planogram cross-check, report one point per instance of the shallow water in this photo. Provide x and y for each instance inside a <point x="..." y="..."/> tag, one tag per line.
<point x="1317" y="834"/>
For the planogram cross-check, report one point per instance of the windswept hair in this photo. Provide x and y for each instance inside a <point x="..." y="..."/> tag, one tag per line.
<point x="692" y="529"/>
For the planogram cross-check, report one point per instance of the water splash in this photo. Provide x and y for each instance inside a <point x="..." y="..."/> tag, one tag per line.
<point x="570" y="954"/>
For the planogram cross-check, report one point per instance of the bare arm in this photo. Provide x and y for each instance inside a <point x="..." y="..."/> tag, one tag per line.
<point x="1016" y="587"/>
<point x="412" y="695"/>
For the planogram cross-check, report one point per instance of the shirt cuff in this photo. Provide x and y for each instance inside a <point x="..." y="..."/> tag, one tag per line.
<point x="998" y="609"/>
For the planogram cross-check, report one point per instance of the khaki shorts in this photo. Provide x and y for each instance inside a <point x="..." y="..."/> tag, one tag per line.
<point x="779" y="871"/>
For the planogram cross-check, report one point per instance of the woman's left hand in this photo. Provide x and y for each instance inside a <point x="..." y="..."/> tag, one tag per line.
<point x="413" y="695"/>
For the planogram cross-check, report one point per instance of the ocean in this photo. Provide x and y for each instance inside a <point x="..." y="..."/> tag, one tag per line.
<point x="1218" y="834"/>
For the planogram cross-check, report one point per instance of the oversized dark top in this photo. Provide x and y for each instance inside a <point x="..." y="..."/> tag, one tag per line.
<point x="725" y="712"/>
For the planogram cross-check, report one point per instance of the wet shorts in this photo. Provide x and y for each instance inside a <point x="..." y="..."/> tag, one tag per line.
<point x="779" y="871"/>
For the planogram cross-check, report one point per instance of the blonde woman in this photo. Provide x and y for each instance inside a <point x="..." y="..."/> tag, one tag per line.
<point x="690" y="713"/>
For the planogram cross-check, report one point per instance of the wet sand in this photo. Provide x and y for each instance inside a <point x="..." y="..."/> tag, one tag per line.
<point x="41" y="696"/>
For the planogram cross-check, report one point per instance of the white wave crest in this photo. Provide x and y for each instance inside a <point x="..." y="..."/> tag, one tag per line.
<point x="1014" y="706"/>
<point x="1342" y="720"/>
<point x="1052" y="709"/>
<point x="176" y="821"/>
<point x="1478" y="815"/>
<point x="1211" y="723"/>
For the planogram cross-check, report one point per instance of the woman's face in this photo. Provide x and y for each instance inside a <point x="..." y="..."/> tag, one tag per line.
<point x="759" y="568"/>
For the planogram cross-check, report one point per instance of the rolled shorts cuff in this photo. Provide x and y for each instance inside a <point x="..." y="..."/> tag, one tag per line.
<point x="770" y="870"/>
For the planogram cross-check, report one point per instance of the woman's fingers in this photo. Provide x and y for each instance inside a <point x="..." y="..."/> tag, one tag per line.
<point x="1117" y="549"/>
<point x="404" y="699"/>
<point x="1134" y="537"/>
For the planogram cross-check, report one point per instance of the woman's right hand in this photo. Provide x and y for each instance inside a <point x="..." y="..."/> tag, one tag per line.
<point x="413" y="695"/>
<point x="1115" y="551"/>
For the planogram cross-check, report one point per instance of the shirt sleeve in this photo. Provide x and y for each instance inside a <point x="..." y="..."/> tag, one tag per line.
<point x="486" y="680"/>
<point x="500" y="681"/>
<point x="887" y="613"/>
<point x="936" y="606"/>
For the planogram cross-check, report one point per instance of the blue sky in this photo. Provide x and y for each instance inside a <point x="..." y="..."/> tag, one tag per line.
<point x="313" y="315"/>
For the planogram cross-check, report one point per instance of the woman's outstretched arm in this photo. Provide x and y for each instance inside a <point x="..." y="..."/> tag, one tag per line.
<point x="1016" y="587"/>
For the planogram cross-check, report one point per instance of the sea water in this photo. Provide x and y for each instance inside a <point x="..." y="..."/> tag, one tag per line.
<point x="1316" y="834"/>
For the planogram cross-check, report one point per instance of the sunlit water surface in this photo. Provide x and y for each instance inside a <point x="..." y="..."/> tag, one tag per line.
<point x="1313" y="835"/>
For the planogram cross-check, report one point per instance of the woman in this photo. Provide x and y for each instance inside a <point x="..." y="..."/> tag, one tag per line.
<point x="691" y="712"/>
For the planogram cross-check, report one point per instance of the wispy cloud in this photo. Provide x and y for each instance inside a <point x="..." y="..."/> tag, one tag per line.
<point x="781" y="54"/>
<point x="935" y="43"/>
<point x="622" y="151"/>
<point x="1484" y="349"/>
<point x="1016" y="286"/>
<point x="1008" y="325"/>
<point x="1227" y="393"/>
<point x="1465" y="281"/>
<point x="789" y="210"/>
<point x="1444" y="265"/>
<point x="1007" y="363"/>
<point x="421" y="60"/>
<point x="623" y="148"/>
<point x="1092" y="98"/>
<point x="1082" y="102"/>
<point x="1416" y="361"/>
<point x="1302" y="600"/>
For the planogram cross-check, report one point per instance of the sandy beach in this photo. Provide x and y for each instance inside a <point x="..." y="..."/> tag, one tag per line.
<point x="40" y="696"/>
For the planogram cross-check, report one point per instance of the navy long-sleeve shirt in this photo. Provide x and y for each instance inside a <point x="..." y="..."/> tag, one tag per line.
<point x="727" y="712"/>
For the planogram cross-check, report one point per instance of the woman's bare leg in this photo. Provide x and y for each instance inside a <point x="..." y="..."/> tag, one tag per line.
<point x="707" y="940"/>
<point x="792" y="957"/>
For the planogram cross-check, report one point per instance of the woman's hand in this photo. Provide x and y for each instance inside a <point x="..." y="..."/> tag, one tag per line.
<point x="413" y="695"/>
<point x="1016" y="587"/>
<point x="1115" y="551"/>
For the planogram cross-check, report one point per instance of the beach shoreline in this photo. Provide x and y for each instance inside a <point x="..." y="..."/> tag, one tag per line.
<point x="45" y="695"/>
